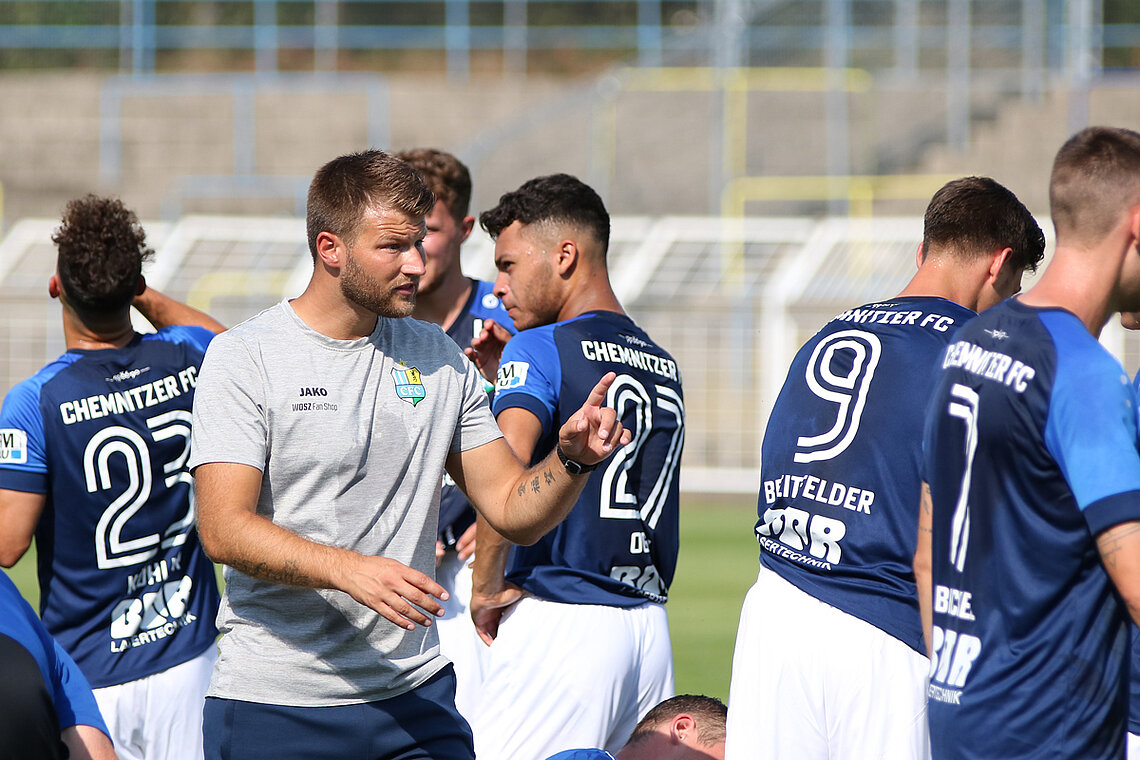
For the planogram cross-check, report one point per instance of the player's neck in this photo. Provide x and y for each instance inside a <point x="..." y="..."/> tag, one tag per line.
<point x="1079" y="281"/>
<point x="443" y="305"/>
<point x="115" y="333"/>
<point x="590" y="293"/>
<point x="951" y="283"/>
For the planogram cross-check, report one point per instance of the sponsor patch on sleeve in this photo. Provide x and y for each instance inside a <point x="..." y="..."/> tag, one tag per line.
<point x="13" y="446"/>
<point x="511" y="375"/>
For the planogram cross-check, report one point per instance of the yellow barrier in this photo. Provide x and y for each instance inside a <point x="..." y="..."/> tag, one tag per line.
<point x="215" y="284"/>
<point x="860" y="190"/>
<point x="735" y="84"/>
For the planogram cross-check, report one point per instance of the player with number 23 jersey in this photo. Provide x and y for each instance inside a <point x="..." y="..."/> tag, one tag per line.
<point x="105" y="434"/>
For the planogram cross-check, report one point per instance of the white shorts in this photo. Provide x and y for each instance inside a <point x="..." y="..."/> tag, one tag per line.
<point x="814" y="683"/>
<point x="561" y="676"/>
<point x="458" y="640"/>
<point x="159" y="717"/>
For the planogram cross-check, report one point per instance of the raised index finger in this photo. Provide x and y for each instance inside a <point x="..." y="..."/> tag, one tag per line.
<point x="598" y="394"/>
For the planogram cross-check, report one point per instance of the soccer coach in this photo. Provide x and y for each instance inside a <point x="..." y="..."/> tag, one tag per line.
<point x="326" y="423"/>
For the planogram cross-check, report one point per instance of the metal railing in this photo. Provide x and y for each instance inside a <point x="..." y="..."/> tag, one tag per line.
<point x="1036" y="38"/>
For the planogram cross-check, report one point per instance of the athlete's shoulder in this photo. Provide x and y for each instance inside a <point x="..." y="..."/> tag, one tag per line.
<point x="29" y="389"/>
<point x="198" y="337"/>
<point x="582" y="754"/>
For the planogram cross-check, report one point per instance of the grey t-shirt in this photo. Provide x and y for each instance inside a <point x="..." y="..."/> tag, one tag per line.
<point x="351" y="438"/>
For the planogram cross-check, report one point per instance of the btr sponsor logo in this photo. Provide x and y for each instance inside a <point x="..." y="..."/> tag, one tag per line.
<point x="802" y="531"/>
<point x="152" y="616"/>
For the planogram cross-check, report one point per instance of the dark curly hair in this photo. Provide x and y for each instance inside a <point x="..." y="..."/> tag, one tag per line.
<point x="557" y="198"/>
<point x="102" y="248"/>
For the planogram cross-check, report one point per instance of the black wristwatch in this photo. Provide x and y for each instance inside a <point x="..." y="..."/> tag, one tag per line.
<point x="572" y="467"/>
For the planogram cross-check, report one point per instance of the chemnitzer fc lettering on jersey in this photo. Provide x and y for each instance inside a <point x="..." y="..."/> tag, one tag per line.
<point x="132" y="399"/>
<point x="888" y="314"/>
<point x="991" y="365"/>
<point x="603" y="351"/>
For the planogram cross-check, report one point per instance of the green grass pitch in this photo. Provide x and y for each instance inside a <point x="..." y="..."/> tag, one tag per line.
<point x="717" y="565"/>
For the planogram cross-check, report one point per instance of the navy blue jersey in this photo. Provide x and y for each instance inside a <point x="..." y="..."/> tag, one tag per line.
<point x="1030" y="452"/>
<point x="840" y="465"/>
<point x="455" y="512"/>
<point x="618" y="547"/>
<point x="1134" y="680"/>
<point x="104" y="435"/>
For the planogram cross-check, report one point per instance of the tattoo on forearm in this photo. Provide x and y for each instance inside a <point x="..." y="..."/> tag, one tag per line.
<point x="289" y="575"/>
<point x="1110" y="542"/>
<point x="534" y="484"/>
<point x="522" y="489"/>
<point x="549" y="477"/>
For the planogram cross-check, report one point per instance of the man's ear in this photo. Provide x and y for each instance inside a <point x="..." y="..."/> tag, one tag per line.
<point x="53" y="286"/>
<point x="467" y="224"/>
<point x="919" y="256"/>
<point x="141" y="287"/>
<point x="683" y="729"/>
<point x="999" y="260"/>
<point x="330" y="250"/>
<point x="566" y="256"/>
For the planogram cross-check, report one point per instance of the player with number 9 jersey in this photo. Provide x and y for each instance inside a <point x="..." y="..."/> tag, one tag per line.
<point x="837" y="514"/>
<point x="830" y="660"/>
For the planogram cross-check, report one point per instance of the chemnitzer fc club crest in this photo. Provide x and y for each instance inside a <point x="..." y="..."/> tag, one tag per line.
<point x="409" y="384"/>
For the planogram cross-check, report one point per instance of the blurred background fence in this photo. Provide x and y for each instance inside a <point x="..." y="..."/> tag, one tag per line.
<point x="768" y="161"/>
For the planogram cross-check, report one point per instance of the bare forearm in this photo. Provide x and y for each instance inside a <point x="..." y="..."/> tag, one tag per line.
<point x="255" y="546"/>
<point x="87" y="743"/>
<point x="163" y="311"/>
<point x="539" y="499"/>
<point x="490" y="559"/>
<point x="922" y="568"/>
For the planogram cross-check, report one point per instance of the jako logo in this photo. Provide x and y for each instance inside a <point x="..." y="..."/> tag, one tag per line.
<point x="314" y="392"/>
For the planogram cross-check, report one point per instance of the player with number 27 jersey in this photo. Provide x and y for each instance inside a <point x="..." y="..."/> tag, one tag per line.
<point x="105" y="435"/>
<point x="838" y="498"/>
<point x="619" y="545"/>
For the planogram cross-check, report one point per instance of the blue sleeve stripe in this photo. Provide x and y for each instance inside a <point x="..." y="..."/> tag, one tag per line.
<point x="196" y="336"/>
<point x="1112" y="510"/>
<point x="1091" y="428"/>
<point x="524" y="401"/>
<point x="23" y="480"/>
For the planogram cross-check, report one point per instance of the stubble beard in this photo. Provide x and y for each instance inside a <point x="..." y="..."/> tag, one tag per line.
<point x="366" y="291"/>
